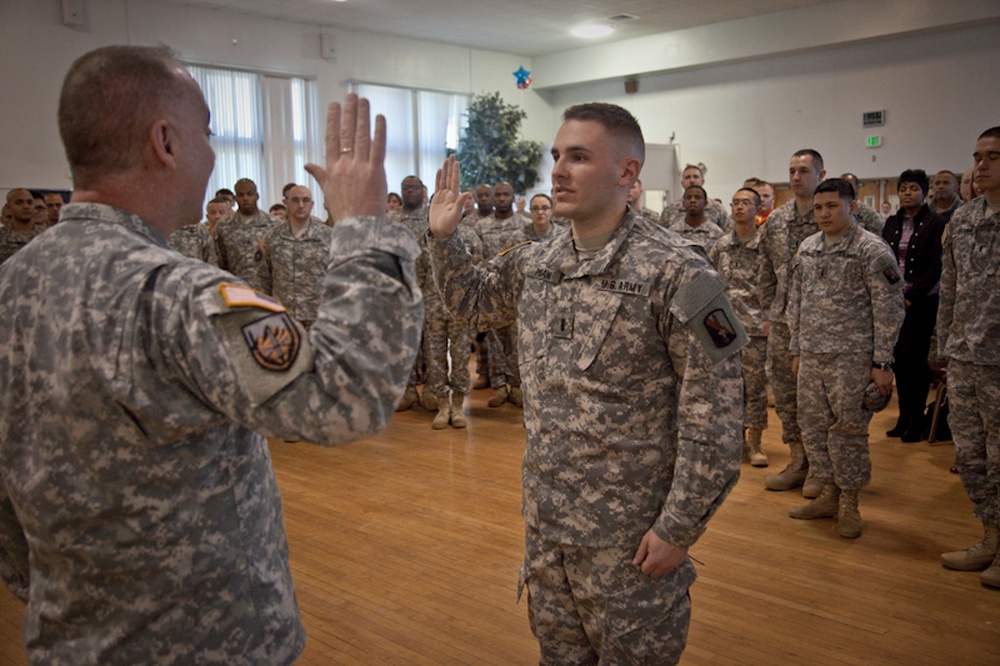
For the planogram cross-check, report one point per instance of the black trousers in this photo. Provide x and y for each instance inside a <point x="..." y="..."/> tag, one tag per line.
<point x="913" y="376"/>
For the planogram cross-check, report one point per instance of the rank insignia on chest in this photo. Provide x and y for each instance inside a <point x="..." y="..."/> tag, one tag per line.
<point x="274" y="341"/>
<point x="562" y="326"/>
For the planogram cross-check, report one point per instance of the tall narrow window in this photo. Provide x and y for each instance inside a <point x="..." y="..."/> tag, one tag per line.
<point x="265" y="129"/>
<point x="421" y="126"/>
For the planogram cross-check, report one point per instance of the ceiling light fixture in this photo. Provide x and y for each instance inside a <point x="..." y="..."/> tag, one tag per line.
<point x="592" y="30"/>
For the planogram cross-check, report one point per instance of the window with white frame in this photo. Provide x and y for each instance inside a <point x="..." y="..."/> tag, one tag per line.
<point x="264" y="128"/>
<point x="421" y="126"/>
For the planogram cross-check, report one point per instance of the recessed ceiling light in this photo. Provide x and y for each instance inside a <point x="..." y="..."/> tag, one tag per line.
<point x="592" y="30"/>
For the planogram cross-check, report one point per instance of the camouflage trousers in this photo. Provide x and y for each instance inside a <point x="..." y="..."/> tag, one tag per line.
<point x="592" y="605"/>
<point x="446" y="337"/>
<point x="833" y="419"/>
<point x="753" y="358"/>
<point x="974" y="394"/>
<point x="502" y="350"/>
<point x="783" y="382"/>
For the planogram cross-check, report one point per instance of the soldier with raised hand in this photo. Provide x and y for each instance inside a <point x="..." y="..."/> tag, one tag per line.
<point x="629" y="354"/>
<point x="845" y="309"/>
<point x="140" y="519"/>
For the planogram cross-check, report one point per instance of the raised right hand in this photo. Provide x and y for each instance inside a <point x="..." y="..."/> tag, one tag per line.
<point x="448" y="203"/>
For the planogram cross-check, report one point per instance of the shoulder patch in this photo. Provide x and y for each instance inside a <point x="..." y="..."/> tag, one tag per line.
<point x="889" y="268"/>
<point x="239" y="295"/>
<point x="703" y="307"/>
<point x="274" y="341"/>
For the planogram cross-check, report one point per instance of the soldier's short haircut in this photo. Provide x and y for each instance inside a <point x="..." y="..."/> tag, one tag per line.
<point x="540" y="194"/>
<point x="755" y="193"/>
<point x="220" y="200"/>
<point x="108" y="100"/>
<point x="918" y="176"/>
<point x="817" y="159"/>
<point x="615" y="120"/>
<point x="991" y="133"/>
<point x="695" y="167"/>
<point x="949" y="172"/>
<point x="226" y="191"/>
<point x="245" y="181"/>
<point x="842" y="187"/>
<point x="696" y="187"/>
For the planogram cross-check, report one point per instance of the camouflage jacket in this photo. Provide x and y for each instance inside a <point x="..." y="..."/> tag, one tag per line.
<point x="237" y="243"/>
<point x="291" y="269"/>
<point x="846" y="296"/>
<point x="968" y="324"/>
<point x="714" y="212"/>
<point x="194" y="240"/>
<point x="136" y="384"/>
<point x="12" y="240"/>
<point x="631" y="377"/>
<point x="704" y="235"/>
<point x="739" y="265"/>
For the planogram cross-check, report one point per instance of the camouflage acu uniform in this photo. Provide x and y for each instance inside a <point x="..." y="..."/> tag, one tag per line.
<point x="714" y="212"/>
<point x="845" y="309"/>
<point x="195" y="241"/>
<point x="739" y="263"/>
<point x="416" y="222"/>
<point x="780" y="238"/>
<point x="237" y="241"/>
<point x="12" y="240"/>
<point x="869" y="218"/>
<point x="136" y="385"/>
<point x="446" y="336"/>
<point x="291" y="269"/>
<point x="968" y="329"/>
<point x="704" y="235"/>
<point x="632" y="408"/>
<point x="501" y="348"/>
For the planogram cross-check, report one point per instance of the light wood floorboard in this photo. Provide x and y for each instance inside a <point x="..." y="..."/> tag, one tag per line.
<point x="405" y="550"/>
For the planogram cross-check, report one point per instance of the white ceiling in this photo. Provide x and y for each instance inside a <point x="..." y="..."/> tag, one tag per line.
<point x="520" y="27"/>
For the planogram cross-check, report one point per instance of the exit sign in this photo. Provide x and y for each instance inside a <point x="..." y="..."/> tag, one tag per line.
<point x="874" y="141"/>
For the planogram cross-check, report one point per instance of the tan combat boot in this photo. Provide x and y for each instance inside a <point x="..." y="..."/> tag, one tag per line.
<point x="977" y="557"/>
<point x="441" y="419"/>
<point x="756" y="454"/>
<point x="457" y="415"/>
<point x="848" y="516"/>
<point x="794" y="475"/>
<point x="429" y="400"/>
<point x="824" y="506"/>
<point x="991" y="577"/>
<point x="811" y="487"/>
<point x="499" y="397"/>
<point x="409" y="399"/>
<point x="516" y="397"/>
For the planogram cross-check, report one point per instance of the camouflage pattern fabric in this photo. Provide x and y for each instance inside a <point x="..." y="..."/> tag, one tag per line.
<point x="592" y="605"/>
<point x="137" y="388"/>
<point x="237" y="241"/>
<point x="974" y="396"/>
<point x="194" y="240"/>
<point x="968" y="329"/>
<point x="833" y="419"/>
<point x="704" y="235"/>
<point x="846" y="296"/>
<point x="291" y="269"/>
<point x="714" y="212"/>
<point x="11" y="240"/>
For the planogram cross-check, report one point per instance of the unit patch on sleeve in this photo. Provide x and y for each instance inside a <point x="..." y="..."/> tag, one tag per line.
<point x="720" y="329"/>
<point x="274" y="341"/>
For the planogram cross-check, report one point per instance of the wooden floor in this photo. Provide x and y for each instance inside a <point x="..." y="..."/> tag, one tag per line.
<point x="405" y="550"/>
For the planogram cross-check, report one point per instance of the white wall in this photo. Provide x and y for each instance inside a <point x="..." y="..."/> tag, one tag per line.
<point x="33" y="37"/>
<point x="939" y="92"/>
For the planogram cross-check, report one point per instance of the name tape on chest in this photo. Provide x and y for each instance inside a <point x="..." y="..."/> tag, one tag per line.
<point x="623" y="286"/>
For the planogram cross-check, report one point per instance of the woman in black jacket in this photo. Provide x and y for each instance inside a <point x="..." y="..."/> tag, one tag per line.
<point x="915" y="236"/>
